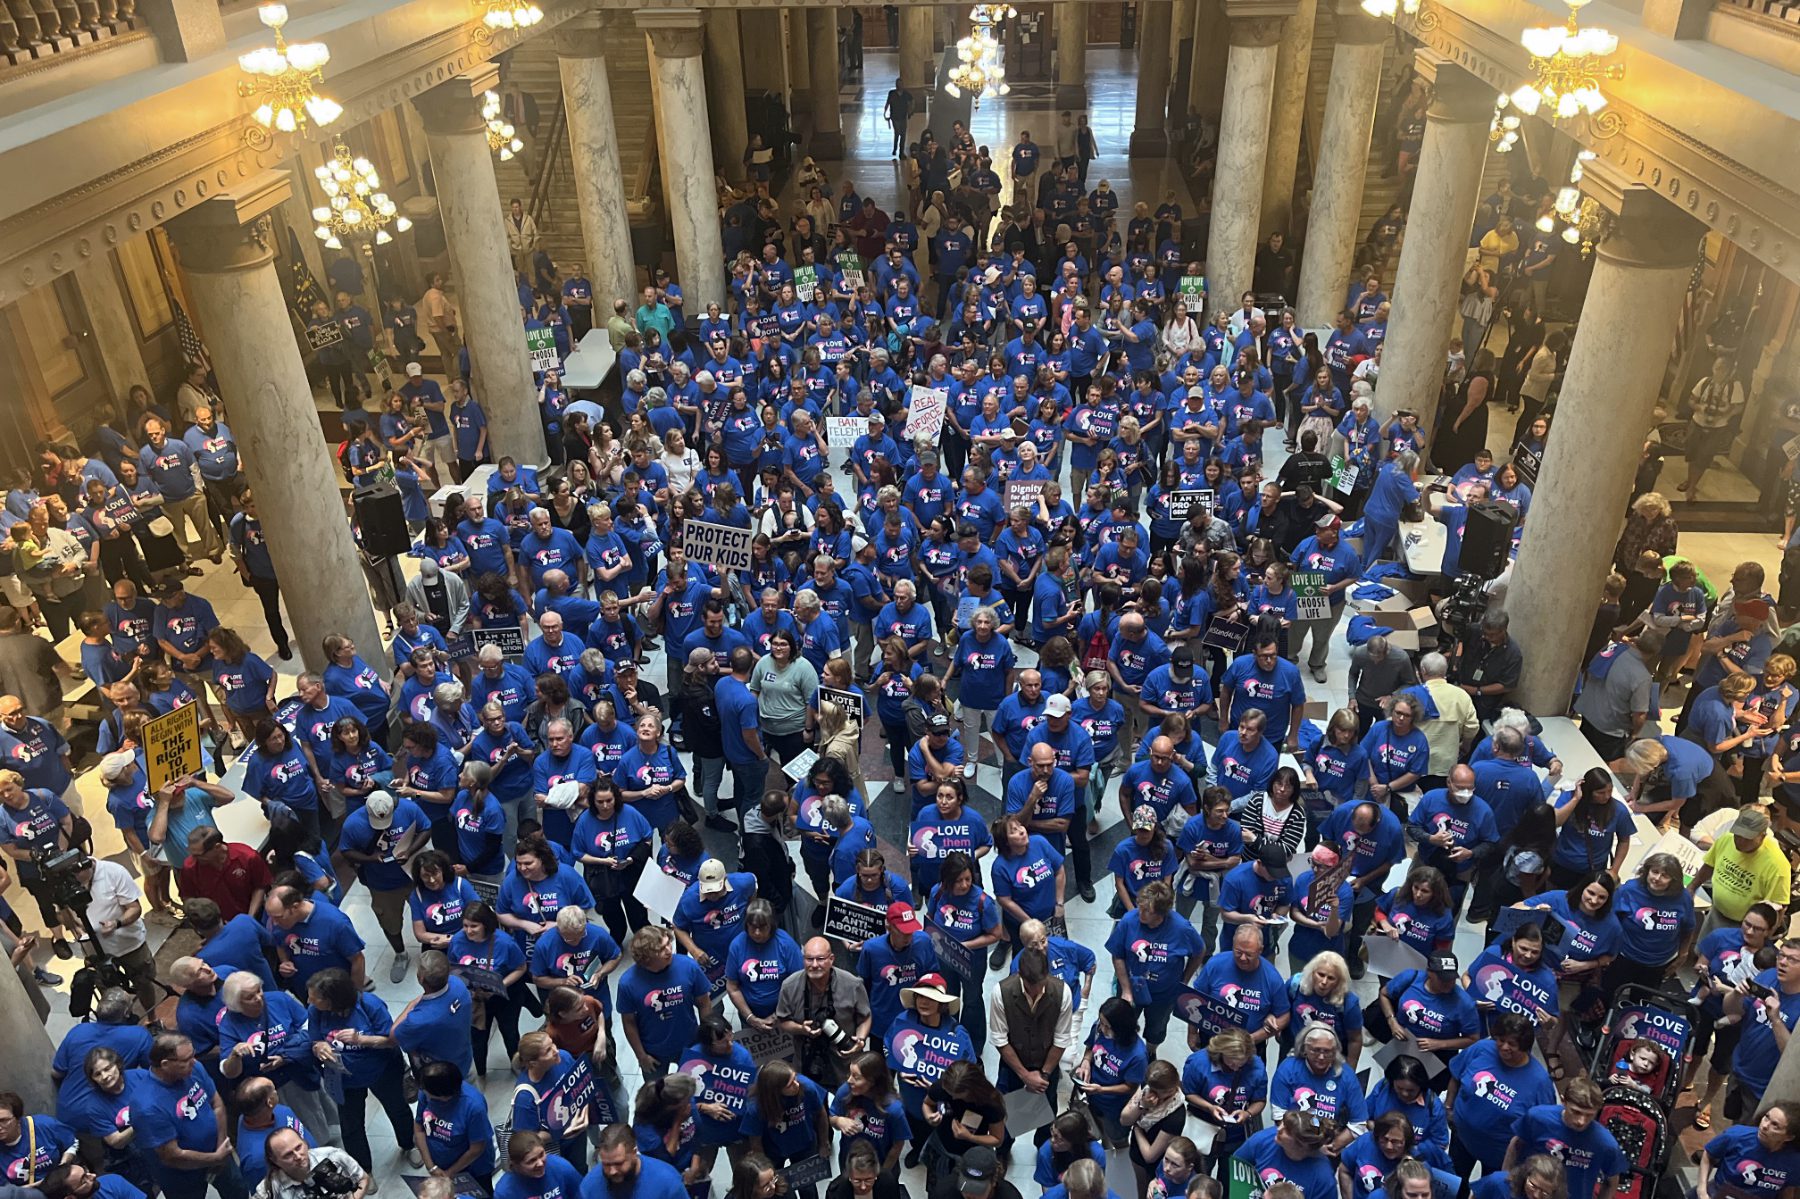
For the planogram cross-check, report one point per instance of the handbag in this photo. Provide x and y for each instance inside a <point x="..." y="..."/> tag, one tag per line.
<point x="161" y="526"/>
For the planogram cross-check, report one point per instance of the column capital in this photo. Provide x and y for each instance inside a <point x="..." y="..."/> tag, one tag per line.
<point x="233" y="230"/>
<point x="1355" y="25"/>
<point x="585" y="36"/>
<point x="1258" y="22"/>
<point x="1460" y="98"/>
<point x="454" y="106"/>
<point x="674" y="32"/>
<point x="1651" y="233"/>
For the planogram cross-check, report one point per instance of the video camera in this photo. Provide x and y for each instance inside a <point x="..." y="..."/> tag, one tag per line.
<point x="59" y="872"/>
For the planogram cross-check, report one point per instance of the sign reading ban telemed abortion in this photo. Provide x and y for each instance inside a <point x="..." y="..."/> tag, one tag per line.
<point x="724" y="546"/>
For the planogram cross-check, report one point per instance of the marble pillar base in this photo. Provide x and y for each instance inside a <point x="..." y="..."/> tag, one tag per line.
<point x="1071" y="95"/>
<point x="826" y="146"/>
<point x="1149" y="143"/>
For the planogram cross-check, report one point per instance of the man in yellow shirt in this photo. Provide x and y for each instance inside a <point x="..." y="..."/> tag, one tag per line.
<point x="1745" y="867"/>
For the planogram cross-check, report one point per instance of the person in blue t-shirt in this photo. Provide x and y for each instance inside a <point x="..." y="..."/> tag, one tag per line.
<point x="1155" y="951"/>
<point x="1759" y="1161"/>
<point x="1492" y="1083"/>
<point x="1570" y="1133"/>
<point x="1314" y="1078"/>
<point x="1371" y="836"/>
<point x="662" y="997"/>
<point x="1264" y="681"/>
<point x="1656" y="923"/>
<point x="1249" y="986"/>
<point x="1294" y="1152"/>
<point x="452" y="1130"/>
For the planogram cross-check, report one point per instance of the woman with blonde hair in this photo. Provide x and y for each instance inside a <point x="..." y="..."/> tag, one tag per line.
<point x="1649" y="526"/>
<point x="1320" y="994"/>
<point x="840" y="738"/>
<point x="538" y="1098"/>
<point x="1227" y="1086"/>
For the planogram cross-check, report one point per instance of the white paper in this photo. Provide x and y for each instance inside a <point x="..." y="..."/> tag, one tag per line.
<point x="1397" y="1048"/>
<point x="1203" y="1133"/>
<point x="1390" y="958"/>
<point x="659" y="892"/>
<point x="1027" y="1109"/>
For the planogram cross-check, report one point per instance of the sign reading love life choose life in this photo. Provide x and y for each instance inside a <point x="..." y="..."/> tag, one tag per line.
<point x="1310" y="600"/>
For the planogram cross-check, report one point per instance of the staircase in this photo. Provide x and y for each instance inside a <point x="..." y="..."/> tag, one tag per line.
<point x="550" y="195"/>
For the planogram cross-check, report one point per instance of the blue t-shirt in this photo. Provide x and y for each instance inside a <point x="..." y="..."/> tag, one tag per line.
<point x="324" y="939"/>
<point x="1491" y="1096"/>
<point x="1252" y="995"/>
<point x="179" y="1112"/>
<point x="1314" y="1175"/>
<point x="1029" y="879"/>
<point x="1111" y="1064"/>
<point x="1588" y="1156"/>
<point x="665" y="1004"/>
<point x="1743" y="1164"/>
<point x="1335" y="1094"/>
<point x="1651" y="926"/>
<point x="758" y="969"/>
<point x="1425" y="1013"/>
<point x="1156" y="959"/>
<point x="437" y="1028"/>
<point x="453" y="1125"/>
<point x="1757" y="1053"/>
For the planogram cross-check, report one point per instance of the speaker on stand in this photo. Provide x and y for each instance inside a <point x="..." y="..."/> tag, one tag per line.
<point x="382" y="517"/>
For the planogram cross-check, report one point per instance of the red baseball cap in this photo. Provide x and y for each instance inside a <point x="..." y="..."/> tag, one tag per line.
<point x="903" y="918"/>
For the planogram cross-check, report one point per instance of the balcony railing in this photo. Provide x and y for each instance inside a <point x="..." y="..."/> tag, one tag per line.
<point x="38" y="30"/>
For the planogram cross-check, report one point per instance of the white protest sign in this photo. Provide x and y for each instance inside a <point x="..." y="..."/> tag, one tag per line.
<point x="925" y="407"/>
<point x="726" y="547"/>
<point x="842" y="431"/>
<point x="1310" y="600"/>
<point x="659" y="892"/>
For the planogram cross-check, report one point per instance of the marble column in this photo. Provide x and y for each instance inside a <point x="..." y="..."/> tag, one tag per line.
<point x="594" y="153"/>
<point x="1206" y="76"/>
<point x="227" y="250"/>
<point x="1609" y="393"/>
<point x="109" y="321"/>
<point x="1243" y="151"/>
<point x="1341" y="163"/>
<point x="686" y="139"/>
<point x="1293" y="65"/>
<point x="725" y="91"/>
<point x="485" y="286"/>
<point x="1150" y="136"/>
<point x="1437" y="240"/>
<point x="915" y="51"/>
<point x="828" y="125"/>
<point x="1181" y="36"/>
<point x="760" y="28"/>
<point x="25" y="1070"/>
<point x="799" y="50"/>
<point x="1071" y="21"/>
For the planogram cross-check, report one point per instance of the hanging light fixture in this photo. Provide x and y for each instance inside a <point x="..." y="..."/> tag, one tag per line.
<point x="502" y="138"/>
<point x="979" y="71"/>
<point x="509" y="14"/>
<point x="1503" y="130"/>
<point x="1582" y="220"/>
<point x="1390" y="10"/>
<point x="284" y="80"/>
<point x="356" y="209"/>
<point x="1567" y="69"/>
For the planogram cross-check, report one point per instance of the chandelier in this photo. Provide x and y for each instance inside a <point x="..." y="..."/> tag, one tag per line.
<point x="1390" y="10"/>
<point x="1584" y="221"/>
<point x="1503" y="130"/>
<point x="502" y="138"/>
<point x="509" y="14"/>
<point x="1567" y="68"/>
<point x="285" y="79"/>
<point x="356" y="208"/>
<point x="979" y="71"/>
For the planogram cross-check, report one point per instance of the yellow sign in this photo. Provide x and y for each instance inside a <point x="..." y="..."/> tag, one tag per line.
<point x="172" y="746"/>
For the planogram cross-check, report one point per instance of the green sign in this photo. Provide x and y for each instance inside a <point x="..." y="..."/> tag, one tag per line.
<point x="1244" y="1183"/>
<point x="852" y="267"/>
<point x="1193" y="287"/>
<point x="806" y="283"/>
<point x="1309" y="594"/>
<point x="541" y="345"/>
<point x="1343" y="476"/>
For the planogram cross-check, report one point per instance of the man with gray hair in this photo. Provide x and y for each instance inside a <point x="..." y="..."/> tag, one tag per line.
<point x="826" y="1008"/>
<point x="1490" y="665"/>
<point x="298" y="1171"/>
<point x="1506" y="781"/>
<point x="1376" y="672"/>
<point x="1453" y="728"/>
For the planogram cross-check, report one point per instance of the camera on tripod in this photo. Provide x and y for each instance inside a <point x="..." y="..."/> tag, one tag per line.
<point x="59" y="870"/>
<point x="59" y="874"/>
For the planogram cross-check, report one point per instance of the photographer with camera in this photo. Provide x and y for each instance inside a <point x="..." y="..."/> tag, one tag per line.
<point x="827" y="1011"/>
<point x="112" y="906"/>
<point x="36" y="823"/>
<point x="299" y="1172"/>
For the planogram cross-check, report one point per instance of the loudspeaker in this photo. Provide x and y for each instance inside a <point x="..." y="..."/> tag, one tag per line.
<point x="1487" y="538"/>
<point x="382" y="518"/>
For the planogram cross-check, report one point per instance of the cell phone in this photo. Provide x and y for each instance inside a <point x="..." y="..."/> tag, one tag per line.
<point x="1758" y="990"/>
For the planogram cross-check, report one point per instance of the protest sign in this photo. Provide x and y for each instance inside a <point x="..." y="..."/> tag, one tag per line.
<point x="765" y="1045"/>
<point x="1023" y="493"/>
<point x="806" y="283"/>
<point x="853" y="922"/>
<point x="1182" y="502"/>
<point x="320" y="336"/>
<point x="1528" y="462"/>
<point x="800" y="763"/>
<point x="172" y="746"/>
<point x="510" y="639"/>
<point x="807" y="1172"/>
<point x="851" y="267"/>
<point x="659" y="893"/>
<point x="724" y="546"/>
<point x="1192" y="289"/>
<point x="1389" y="958"/>
<point x="953" y="955"/>
<point x="1226" y="634"/>
<point x="1325" y="884"/>
<point x="480" y="980"/>
<point x="1211" y="1016"/>
<point x="1309" y="595"/>
<point x="925" y="408"/>
<point x="850" y="701"/>
<point x="1343" y="476"/>
<point x="841" y="432"/>
<point x="541" y="345"/>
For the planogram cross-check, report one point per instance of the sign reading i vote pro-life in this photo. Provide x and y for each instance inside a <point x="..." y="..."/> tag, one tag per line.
<point x="172" y="746"/>
<point x="724" y="546"/>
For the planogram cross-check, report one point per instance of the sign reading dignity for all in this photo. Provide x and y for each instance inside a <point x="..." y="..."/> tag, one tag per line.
<point x="1023" y="494"/>
<point x="511" y="640"/>
<point x="1310" y="599"/>
<point x="541" y="345"/>
<point x="172" y="746"/>
<point x="1182" y="502"/>
<point x="925" y="413"/>
<point x="724" y="546"/>
<point x="853" y="922"/>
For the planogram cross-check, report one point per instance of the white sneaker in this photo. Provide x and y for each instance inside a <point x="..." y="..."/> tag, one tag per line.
<point x="968" y="770"/>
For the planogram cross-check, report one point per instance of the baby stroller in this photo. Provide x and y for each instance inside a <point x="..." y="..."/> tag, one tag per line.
<point x="1637" y="1102"/>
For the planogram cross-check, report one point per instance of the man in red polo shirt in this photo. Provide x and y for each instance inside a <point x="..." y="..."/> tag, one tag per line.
<point x="231" y="875"/>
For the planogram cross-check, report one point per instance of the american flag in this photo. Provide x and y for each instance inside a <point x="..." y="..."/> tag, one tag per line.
<point x="192" y="348"/>
<point x="1687" y="326"/>
<point x="306" y="289"/>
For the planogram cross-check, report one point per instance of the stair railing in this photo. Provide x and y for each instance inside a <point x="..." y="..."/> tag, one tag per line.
<point x="554" y="147"/>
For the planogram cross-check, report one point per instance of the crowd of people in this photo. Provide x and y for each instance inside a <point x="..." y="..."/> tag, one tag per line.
<point x="1084" y="574"/>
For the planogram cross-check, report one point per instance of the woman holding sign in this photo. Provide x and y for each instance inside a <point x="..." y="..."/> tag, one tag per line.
<point x="554" y="1095"/>
<point x="787" y="1119"/>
